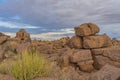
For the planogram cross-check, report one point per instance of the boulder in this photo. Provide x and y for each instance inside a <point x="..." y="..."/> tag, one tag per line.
<point x="108" y="72"/>
<point x="23" y="35"/>
<point x="3" y="39"/>
<point x="83" y="59"/>
<point x="64" y="60"/>
<point x="106" y="55"/>
<point x="86" y="66"/>
<point x="86" y="29"/>
<point x="98" y="41"/>
<point x="75" y="42"/>
<point x="80" y="58"/>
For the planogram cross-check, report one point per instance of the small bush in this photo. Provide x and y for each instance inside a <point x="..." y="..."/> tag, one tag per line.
<point x="27" y="67"/>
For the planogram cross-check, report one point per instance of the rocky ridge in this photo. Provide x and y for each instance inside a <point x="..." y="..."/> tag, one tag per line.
<point x="85" y="54"/>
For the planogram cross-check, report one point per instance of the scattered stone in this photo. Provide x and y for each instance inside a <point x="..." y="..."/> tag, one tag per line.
<point x="99" y="41"/>
<point x="108" y="72"/>
<point x="86" y="29"/>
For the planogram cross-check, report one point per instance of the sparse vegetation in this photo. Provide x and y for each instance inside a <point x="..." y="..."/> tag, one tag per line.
<point x="27" y="67"/>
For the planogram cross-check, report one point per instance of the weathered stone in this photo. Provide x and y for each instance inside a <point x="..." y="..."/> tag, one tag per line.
<point x="3" y="39"/>
<point x="23" y="35"/>
<point x="106" y="55"/>
<point x="107" y="72"/>
<point x="86" y="66"/>
<point x="81" y="56"/>
<point x="86" y="29"/>
<point x="98" y="41"/>
<point x="75" y="42"/>
<point x="64" y="61"/>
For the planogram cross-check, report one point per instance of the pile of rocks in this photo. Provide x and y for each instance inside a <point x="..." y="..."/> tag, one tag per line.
<point x="88" y="50"/>
<point x="22" y="35"/>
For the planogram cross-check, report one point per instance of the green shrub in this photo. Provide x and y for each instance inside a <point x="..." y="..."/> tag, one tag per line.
<point x="28" y="66"/>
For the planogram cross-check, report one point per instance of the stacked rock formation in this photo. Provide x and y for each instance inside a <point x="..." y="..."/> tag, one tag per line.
<point x="85" y="46"/>
<point x="22" y="35"/>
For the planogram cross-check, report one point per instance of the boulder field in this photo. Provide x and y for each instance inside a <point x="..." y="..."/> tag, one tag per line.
<point x="87" y="52"/>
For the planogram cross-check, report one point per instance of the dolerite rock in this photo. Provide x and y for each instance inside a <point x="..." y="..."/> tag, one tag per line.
<point x="3" y="39"/>
<point x="106" y="55"/>
<point x="86" y="29"/>
<point x="75" y="42"/>
<point x="23" y="35"/>
<point x="108" y="72"/>
<point x="98" y="41"/>
<point x="82" y="59"/>
<point x="64" y="61"/>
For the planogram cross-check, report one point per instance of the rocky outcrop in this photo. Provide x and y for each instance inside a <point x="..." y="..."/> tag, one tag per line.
<point x="106" y="55"/>
<point x="75" y="42"/>
<point x="99" y="41"/>
<point x="107" y="72"/>
<point x="3" y="38"/>
<point x="86" y="29"/>
<point x="80" y="58"/>
<point x="22" y="35"/>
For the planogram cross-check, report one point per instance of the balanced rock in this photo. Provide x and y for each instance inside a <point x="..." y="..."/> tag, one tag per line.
<point x="108" y="72"/>
<point x="98" y="41"/>
<point x="106" y="55"/>
<point x="86" y="29"/>
<point x="23" y="35"/>
<point x="75" y="42"/>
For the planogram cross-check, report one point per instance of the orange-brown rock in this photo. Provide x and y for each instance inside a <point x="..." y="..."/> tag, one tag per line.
<point x="86" y="66"/>
<point x="98" y="41"/>
<point x="75" y="42"/>
<point x="64" y="61"/>
<point x="86" y="29"/>
<point x="106" y="55"/>
<point x="84" y="60"/>
<point x="23" y="35"/>
<point x="108" y="72"/>
<point x="3" y="38"/>
<point x="81" y="58"/>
